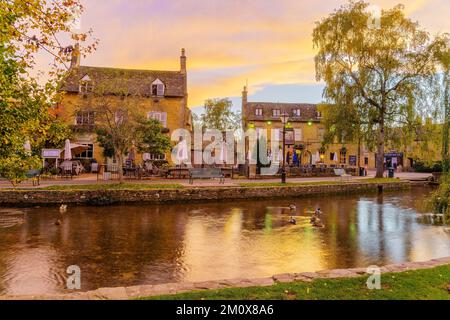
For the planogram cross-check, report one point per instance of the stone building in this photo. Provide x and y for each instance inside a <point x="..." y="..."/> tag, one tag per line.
<point x="163" y="93"/>
<point x="304" y="133"/>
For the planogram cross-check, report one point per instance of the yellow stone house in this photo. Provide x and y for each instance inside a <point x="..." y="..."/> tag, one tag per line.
<point x="165" y="95"/>
<point x="304" y="133"/>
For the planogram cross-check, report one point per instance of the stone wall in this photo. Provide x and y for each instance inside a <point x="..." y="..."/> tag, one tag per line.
<point x="154" y="196"/>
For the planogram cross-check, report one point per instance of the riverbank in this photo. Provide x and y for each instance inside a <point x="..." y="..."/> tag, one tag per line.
<point x="428" y="284"/>
<point x="411" y="280"/>
<point x="121" y="194"/>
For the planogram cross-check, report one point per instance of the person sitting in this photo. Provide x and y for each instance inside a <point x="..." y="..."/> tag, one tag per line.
<point x="293" y="221"/>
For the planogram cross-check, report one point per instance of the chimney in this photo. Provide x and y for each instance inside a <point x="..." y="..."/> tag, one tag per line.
<point x="76" y="57"/>
<point x="183" y="60"/>
<point x="244" y="98"/>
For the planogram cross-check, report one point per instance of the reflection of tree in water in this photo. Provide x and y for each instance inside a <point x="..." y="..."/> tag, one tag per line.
<point x="130" y="245"/>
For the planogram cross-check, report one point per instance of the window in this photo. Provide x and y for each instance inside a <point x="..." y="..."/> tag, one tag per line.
<point x="296" y="113"/>
<point x="88" y="154"/>
<point x="259" y="112"/>
<point x="320" y="133"/>
<point x="160" y="116"/>
<point x="276" y="112"/>
<point x="86" y="85"/>
<point x="343" y="156"/>
<point x="158" y="88"/>
<point x="85" y="118"/>
<point x="153" y="156"/>
<point x="366" y="161"/>
<point x="319" y="114"/>
<point x="298" y="135"/>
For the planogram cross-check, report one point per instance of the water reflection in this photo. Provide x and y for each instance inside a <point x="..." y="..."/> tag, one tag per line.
<point x="129" y="245"/>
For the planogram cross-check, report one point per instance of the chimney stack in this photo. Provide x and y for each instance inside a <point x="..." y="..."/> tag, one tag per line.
<point x="76" y="57"/>
<point x="244" y="98"/>
<point x="183" y="60"/>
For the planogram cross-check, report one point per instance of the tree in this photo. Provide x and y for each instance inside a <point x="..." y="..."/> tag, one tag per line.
<point x="381" y="69"/>
<point x="442" y="95"/>
<point x="120" y="121"/>
<point x="218" y="114"/>
<point x="27" y="28"/>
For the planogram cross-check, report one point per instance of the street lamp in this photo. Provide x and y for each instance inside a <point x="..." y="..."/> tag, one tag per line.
<point x="284" y="119"/>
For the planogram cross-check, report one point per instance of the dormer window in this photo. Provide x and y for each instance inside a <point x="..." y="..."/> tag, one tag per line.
<point x="276" y="112"/>
<point x="86" y="85"/>
<point x="158" y="88"/>
<point x="319" y="114"/>
<point x="297" y="113"/>
<point x="258" y="112"/>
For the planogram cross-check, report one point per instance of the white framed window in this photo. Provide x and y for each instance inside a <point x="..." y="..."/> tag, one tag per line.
<point x="297" y="113"/>
<point x="87" y="154"/>
<point x="158" y="88"/>
<point x="276" y="112"/>
<point x="84" y="118"/>
<point x="86" y="85"/>
<point x="319" y="114"/>
<point x="258" y="112"/>
<point x="298" y="133"/>
<point x="153" y="156"/>
<point x="160" y="116"/>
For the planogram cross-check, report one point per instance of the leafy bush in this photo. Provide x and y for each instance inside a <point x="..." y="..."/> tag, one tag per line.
<point x="441" y="198"/>
<point x="420" y="166"/>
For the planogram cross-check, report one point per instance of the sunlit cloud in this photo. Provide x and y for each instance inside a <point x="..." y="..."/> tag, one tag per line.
<point x="228" y="43"/>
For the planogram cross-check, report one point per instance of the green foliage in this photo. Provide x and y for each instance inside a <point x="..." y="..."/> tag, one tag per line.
<point x="27" y="28"/>
<point x="421" y="166"/>
<point x="152" y="137"/>
<point x="15" y="167"/>
<point x="441" y="197"/>
<point x="219" y="115"/>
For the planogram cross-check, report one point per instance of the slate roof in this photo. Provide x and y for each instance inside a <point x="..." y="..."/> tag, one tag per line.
<point x="308" y="112"/>
<point x="137" y="82"/>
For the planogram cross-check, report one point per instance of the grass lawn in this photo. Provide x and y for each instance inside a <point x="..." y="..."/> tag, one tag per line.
<point x="115" y="186"/>
<point x="420" y="284"/>
<point x="315" y="183"/>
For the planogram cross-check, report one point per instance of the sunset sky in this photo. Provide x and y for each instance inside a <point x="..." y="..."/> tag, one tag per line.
<point x="267" y="43"/>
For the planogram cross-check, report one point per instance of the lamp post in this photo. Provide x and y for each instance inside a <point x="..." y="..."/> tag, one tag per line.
<point x="284" y="119"/>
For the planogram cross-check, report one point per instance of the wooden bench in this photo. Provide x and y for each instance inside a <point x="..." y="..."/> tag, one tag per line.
<point x="341" y="173"/>
<point x="206" y="173"/>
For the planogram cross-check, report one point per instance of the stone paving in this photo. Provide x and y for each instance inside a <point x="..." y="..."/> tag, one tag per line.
<point x="125" y="293"/>
<point x="88" y="179"/>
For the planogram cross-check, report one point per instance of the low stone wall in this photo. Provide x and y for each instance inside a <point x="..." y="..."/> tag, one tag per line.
<point x="125" y="293"/>
<point x="154" y="196"/>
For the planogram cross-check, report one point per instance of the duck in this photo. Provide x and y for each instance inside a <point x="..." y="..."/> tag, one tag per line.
<point x="292" y="207"/>
<point x="318" y="224"/>
<point x="293" y="221"/>
<point x="63" y="208"/>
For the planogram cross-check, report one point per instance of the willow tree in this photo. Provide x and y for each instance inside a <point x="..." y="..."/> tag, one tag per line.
<point x="380" y="67"/>
<point x="442" y="95"/>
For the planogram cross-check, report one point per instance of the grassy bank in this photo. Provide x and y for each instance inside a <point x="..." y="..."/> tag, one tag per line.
<point x="416" y="285"/>
<point x="115" y="186"/>
<point x="316" y="183"/>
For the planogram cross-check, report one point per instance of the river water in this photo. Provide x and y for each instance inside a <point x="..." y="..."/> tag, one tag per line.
<point x="149" y="244"/>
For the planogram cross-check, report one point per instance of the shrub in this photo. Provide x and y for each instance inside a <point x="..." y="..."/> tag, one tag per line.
<point x="441" y="197"/>
<point x="420" y="166"/>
